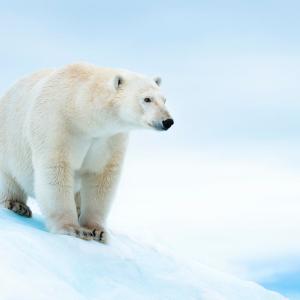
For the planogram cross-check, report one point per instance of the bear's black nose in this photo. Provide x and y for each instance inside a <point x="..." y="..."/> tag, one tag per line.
<point x="167" y="123"/>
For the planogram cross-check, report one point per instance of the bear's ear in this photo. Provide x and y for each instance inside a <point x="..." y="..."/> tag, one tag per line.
<point x="157" y="80"/>
<point x="118" y="81"/>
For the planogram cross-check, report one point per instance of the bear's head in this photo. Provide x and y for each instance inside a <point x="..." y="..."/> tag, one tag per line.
<point x="140" y="101"/>
<point x="109" y="101"/>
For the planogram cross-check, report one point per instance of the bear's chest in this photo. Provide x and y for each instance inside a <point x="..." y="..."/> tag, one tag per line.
<point x="90" y="155"/>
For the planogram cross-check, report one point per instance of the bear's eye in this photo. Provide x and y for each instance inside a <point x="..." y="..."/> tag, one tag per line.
<point x="148" y="100"/>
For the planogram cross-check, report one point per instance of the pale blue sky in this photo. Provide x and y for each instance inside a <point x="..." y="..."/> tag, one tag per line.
<point x="230" y="72"/>
<point x="230" y="68"/>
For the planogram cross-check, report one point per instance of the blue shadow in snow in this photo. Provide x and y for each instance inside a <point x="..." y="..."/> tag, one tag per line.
<point x="35" y="222"/>
<point x="287" y="283"/>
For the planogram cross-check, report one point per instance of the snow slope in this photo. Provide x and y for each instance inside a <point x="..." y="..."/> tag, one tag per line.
<point x="37" y="265"/>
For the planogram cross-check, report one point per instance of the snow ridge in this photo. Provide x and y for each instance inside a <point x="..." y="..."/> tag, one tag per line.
<point x="38" y="265"/>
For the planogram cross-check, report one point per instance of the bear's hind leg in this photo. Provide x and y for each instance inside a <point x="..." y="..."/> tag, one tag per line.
<point x="12" y="196"/>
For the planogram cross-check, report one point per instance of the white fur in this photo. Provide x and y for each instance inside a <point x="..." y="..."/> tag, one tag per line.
<point x="64" y="133"/>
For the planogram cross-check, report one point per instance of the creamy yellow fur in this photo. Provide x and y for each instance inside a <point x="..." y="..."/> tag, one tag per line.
<point x="64" y="132"/>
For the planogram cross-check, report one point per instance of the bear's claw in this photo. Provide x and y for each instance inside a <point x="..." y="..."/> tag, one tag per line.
<point x="80" y="232"/>
<point x="84" y="233"/>
<point x="19" y="208"/>
<point x="99" y="235"/>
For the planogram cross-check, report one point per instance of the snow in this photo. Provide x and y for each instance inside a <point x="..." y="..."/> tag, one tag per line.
<point x="38" y="265"/>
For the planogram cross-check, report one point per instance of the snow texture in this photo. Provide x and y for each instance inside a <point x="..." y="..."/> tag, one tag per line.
<point x="38" y="265"/>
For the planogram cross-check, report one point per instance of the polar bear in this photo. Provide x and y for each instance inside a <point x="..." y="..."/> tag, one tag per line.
<point x="63" y="136"/>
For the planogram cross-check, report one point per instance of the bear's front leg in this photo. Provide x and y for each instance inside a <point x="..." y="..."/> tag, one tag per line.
<point x="55" y="195"/>
<point x="97" y="192"/>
